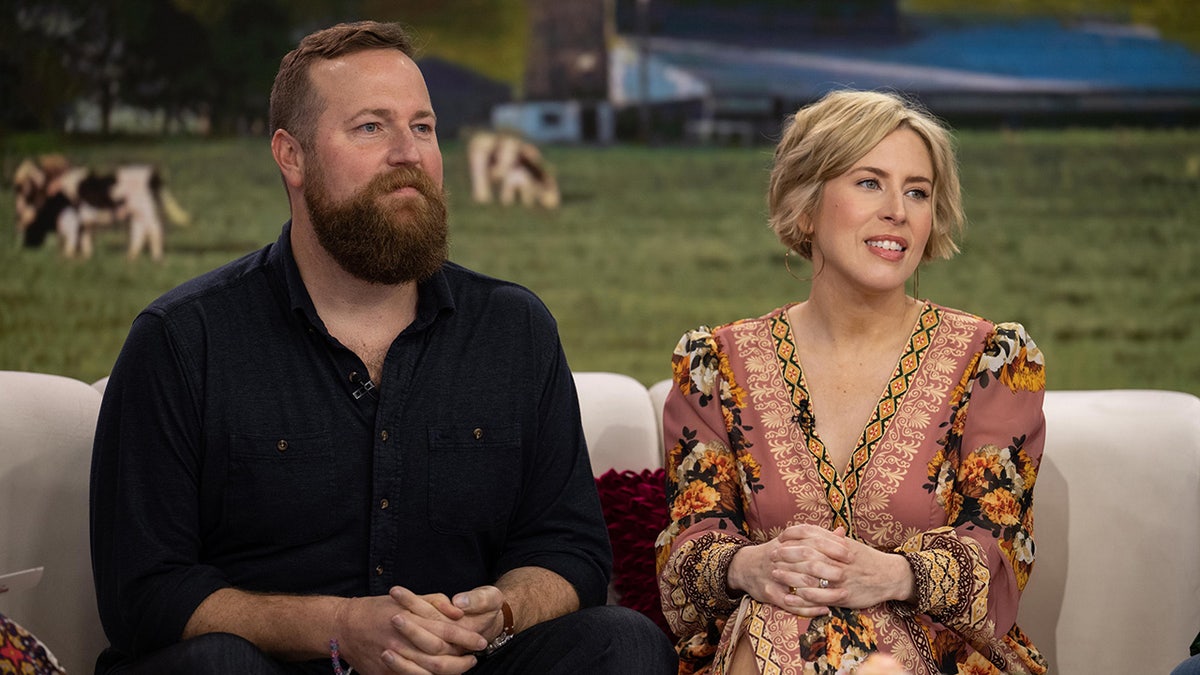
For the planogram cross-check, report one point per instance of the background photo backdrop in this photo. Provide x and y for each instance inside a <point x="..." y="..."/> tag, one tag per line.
<point x="1084" y="229"/>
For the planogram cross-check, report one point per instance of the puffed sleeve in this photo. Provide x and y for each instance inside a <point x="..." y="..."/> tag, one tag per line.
<point x="708" y="476"/>
<point x="970" y="574"/>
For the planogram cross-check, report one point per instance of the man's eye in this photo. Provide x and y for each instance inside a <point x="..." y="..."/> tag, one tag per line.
<point x="370" y="127"/>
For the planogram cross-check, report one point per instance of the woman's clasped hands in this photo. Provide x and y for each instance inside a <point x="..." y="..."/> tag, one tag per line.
<point x="807" y="569"/>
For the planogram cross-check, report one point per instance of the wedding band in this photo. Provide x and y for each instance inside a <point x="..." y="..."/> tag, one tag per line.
<point x="824" y="583"/>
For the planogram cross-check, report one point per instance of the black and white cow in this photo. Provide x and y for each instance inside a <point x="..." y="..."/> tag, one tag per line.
<point x="73" y="201"/>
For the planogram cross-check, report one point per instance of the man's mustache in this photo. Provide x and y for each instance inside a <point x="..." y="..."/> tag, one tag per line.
<point x="402" y="177"/>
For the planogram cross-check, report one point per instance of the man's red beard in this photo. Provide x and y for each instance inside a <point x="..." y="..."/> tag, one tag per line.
<point x="378" y="236"/>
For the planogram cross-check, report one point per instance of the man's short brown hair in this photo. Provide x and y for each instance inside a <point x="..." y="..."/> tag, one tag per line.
<point x="295" y="107"/>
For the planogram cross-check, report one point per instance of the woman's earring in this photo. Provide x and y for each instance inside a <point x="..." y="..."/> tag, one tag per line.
<point x="787" y="265"/>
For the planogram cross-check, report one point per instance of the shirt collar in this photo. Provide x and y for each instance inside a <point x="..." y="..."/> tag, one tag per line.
<point x="434" y="295"/>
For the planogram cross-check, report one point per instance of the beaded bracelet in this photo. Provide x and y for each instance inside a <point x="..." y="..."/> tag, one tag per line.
<point x="337" y="660"/>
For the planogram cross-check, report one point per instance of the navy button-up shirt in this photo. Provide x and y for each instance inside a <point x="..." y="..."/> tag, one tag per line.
<point x="240" y="444"/>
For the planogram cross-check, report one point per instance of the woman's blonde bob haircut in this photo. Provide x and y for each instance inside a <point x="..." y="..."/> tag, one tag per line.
<point x="823" y="141"/>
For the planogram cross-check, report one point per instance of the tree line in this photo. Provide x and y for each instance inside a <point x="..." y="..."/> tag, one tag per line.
<point x="209" y="58"/>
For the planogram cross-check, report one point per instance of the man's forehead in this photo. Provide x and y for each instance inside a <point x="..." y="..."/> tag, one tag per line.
<point x="362" y="61"/>
<point x="381" y="79"/>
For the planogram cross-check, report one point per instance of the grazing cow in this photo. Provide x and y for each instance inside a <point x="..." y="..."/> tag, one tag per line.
<point x="53" y="196"/>
<point x="513" y="168"/>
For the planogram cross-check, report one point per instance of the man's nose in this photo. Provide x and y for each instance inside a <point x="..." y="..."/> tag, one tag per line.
<point x="403" y="149"/>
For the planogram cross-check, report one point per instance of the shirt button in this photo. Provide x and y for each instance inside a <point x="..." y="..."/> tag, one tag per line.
<point x="379" y="571"/>
<point x="383" y="503"/>
<point x="478" y="433"/>
<point x="383" y="435"/>
<point x="281" y="445"/>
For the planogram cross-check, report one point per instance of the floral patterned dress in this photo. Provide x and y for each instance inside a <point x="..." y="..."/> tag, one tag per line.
<point x="943" y="474"/>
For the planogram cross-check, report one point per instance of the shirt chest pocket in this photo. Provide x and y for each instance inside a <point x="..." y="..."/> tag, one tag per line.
<point x="280" y="488"/>
<point x="474" y="477"/>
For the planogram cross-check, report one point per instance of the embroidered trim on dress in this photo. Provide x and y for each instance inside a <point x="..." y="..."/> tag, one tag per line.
<point x="703" y="565"/>
<point x="841" y="491"/>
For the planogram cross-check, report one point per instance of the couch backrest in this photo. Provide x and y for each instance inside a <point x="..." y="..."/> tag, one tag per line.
<point x="618" y="422"/>
<point x="1116" y="584"/>
<point x="46" y="427"/>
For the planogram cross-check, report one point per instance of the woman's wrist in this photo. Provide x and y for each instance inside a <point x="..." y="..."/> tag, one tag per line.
<point x="733" y="584"/>
<point x="906" y="580"/>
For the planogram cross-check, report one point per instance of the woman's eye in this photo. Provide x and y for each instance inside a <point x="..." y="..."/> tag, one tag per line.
<point x="869" y="183"/>
<point x="918" y="193"/>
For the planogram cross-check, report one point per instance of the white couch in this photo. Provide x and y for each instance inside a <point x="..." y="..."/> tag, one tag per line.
<point x="1116" y="588"/>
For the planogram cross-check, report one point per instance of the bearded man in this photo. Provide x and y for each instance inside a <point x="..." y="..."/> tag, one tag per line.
<point x="343" y="451"/>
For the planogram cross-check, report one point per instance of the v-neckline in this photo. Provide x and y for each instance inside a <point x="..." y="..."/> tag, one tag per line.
<point x="841" y="483"/>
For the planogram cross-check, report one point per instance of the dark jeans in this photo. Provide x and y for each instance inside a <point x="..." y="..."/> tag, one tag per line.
<point x="605" y="639"/>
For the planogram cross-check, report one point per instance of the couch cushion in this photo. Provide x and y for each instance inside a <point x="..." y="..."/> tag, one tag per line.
<point x="46" y="428"/>
<point x="618" y="422"/>
<point x="1116" y="584"/>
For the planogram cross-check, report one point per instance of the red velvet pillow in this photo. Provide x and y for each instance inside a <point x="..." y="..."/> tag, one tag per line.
<point x="635" y="508"/>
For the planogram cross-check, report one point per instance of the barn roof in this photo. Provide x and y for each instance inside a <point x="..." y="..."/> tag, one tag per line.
<point x="959" y="65"/>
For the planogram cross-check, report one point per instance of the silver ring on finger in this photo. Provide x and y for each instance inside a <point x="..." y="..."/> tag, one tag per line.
<point x="824" y="583"/>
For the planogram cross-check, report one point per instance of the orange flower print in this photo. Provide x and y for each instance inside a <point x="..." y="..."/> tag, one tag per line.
<point x="751" y="469"/>
<point x="731" y="390"/>
<point x="953" y="505"/>
<point x="934" y="467"/>
<point x="976" y="665"/>
<point x="960" y="389"/>
<point x="1013" y="358"/>
<point x="679" y="370"/>
<point x="673" y="458"/>
<point x="1024" y="374"/>
<point x="1000" y="507"/>
<point x="1028" y="470"/>
<point x="727" y="416"/>
<point x="697" y="498"/>
<point x="973" y="473"/>
<point x="946" y="643"/>
<point x="721" y="464"/>
<point x="693" y="365"/>
<point x="959" y="423"/>
<point x="730" y="492"/>
<point x="834" y="651"/>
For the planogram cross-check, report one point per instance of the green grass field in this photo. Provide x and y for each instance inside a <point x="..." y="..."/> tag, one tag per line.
<point x="1088" y="237"/>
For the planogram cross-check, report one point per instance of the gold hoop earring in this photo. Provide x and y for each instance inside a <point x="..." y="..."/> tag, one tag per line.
<point x="787" y="265"/>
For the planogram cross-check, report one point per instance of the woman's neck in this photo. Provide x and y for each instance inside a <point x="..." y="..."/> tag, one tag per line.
<point x="853" y="320"/>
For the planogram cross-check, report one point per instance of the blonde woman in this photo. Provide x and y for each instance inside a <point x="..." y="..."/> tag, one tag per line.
<point x="853" y="473"/>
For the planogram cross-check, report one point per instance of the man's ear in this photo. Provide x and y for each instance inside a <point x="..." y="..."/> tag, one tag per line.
<point x="289" y="156"/>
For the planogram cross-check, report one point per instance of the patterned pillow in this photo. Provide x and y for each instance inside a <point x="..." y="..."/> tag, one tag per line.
<point x="635" y="508"/>
<point x="22" y="653"/>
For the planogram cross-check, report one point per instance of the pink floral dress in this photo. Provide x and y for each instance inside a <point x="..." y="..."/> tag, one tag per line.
<point x="942" y="474"/>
